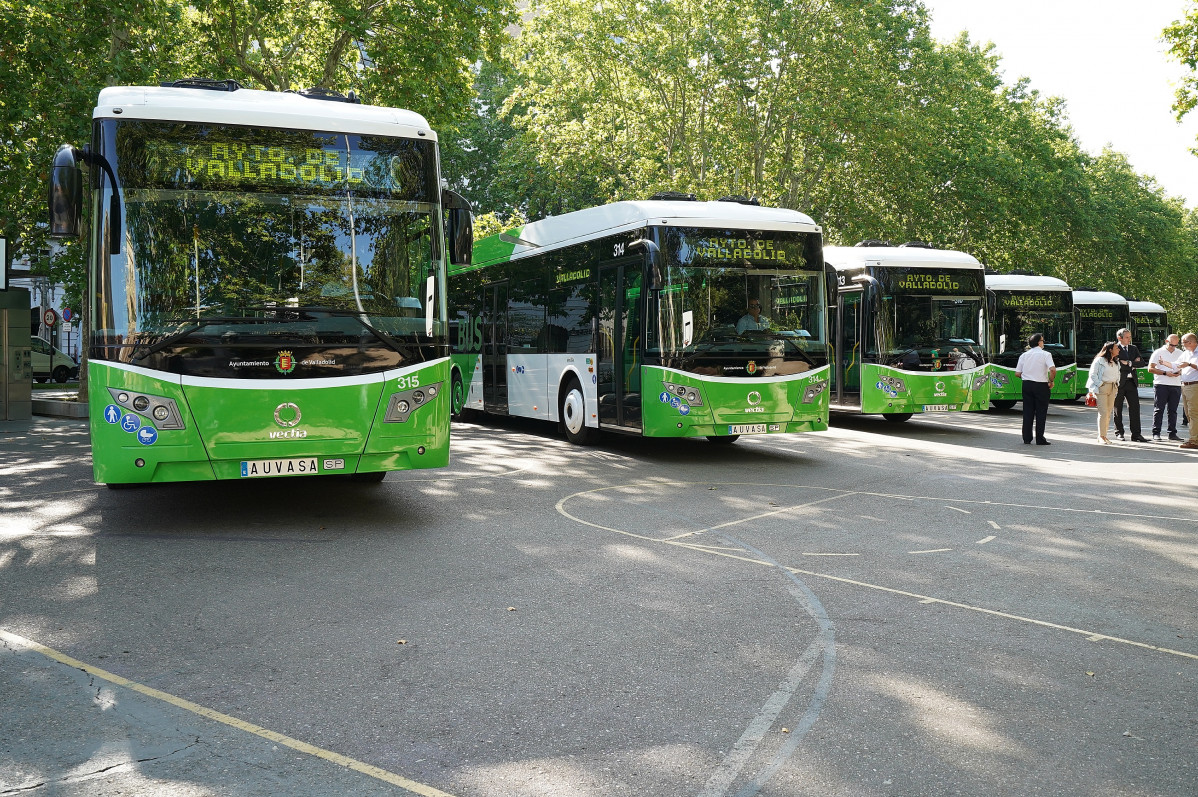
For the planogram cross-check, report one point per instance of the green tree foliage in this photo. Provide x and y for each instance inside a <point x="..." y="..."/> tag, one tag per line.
<point x="845" y="109"/>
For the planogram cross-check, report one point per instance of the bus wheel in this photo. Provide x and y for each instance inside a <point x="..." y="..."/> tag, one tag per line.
<point x="573" y="413"/>
<point x="1003" y="404"/>
<point x="897" y="417"/>
<point x="61" y="374"/>
<point x="457" y="396"/>
<point x="723" y="439"/>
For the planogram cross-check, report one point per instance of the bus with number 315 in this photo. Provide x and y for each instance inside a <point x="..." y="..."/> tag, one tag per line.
<point x="267" y="278"/>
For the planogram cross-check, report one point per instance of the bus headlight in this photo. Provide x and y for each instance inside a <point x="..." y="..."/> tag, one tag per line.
<point x="164" y="411"/>
<point x="402" y="404"/>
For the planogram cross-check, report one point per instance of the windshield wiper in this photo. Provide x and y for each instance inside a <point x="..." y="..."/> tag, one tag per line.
<point x="357" y="315"/>
<point x="143" y="350"/>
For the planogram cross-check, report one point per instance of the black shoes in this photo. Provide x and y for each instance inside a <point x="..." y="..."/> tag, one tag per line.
<point x="1043" y="443"/>
<point x="1174" y="437"/>
<point x="1139" y="438"/>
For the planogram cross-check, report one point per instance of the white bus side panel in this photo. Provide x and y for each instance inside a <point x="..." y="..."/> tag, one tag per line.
<point x="582" y="366"/>
<point x="528" y="385"/>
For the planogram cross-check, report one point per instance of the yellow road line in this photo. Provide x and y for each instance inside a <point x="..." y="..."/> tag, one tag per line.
<point x="225" y="719"/>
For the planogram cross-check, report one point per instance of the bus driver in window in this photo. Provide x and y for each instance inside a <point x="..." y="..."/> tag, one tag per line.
<point x="753" y="320"/>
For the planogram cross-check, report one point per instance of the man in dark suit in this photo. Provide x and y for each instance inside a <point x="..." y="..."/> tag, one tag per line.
<point x="1129" y="387"/>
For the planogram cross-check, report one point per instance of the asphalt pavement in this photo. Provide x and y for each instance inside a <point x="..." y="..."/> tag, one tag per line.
<point x="919" y="609"/>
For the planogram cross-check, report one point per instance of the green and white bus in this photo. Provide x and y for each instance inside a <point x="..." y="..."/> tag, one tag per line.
<point x="1098" y="315"/>
<point x="630" y="317"/>
<point x="1149" y="328"/>
<point x="267" y="284"/>
<point x="908" y="322"/>
<point x="1018" y="305"/>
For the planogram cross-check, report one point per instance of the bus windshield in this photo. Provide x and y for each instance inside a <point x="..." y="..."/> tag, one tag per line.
<point x="242" y="238"/>
<point x="722" y="297"/>
<point x="929" y="319"/>
<point x="1017" y="317"/>
<point x="1096" y="325"/>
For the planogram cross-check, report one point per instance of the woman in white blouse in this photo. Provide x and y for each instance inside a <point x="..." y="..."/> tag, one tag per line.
<point x="1103" y="384"/>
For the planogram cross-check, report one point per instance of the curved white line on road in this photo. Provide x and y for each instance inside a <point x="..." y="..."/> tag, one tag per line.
<point x="824" y="646"/>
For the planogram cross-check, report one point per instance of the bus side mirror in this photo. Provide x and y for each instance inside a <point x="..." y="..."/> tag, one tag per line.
<point x="66" y="194"/>
<point x="459" y="227"/>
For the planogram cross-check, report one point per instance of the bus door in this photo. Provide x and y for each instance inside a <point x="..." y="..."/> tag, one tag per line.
<point x="495" y="346"/>
<point x="618" y="366"/>
<point x="847" y="376"/>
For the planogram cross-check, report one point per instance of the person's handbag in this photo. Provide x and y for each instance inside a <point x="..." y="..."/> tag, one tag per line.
<point x="1091" y="400"/>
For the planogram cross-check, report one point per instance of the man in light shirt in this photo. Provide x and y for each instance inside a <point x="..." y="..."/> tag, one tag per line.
<point x="1038" y="371"/>
<point x="1189" y="383"/>
<point x="1166" y="384"/>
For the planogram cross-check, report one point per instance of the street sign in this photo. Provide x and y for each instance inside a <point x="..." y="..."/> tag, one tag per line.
<point x="49" y="318"/>
<point x="67" y="314"/>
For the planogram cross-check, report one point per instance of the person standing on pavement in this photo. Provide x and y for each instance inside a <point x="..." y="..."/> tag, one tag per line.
<point x="1189" y="383"/>
<point x="1129" y="387"/>
<point x="1104" y="382"/>
<point x="1166" y="384"/>
<point x="1038" y="371"/>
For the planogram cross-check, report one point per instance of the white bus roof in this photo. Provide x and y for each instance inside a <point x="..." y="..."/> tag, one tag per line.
<point x="260" y="108"/>
<point x="1025" y="282"/>
<point x="847" y="257"/>
<point x="1145" y="307"/>
<point x="1097" y="297"/>
<point x="617" y="217"/>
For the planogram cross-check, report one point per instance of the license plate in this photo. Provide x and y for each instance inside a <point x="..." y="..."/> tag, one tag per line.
<point x="939" y="407"/>
<point x="297" y="466"/>
<point x="748" y="428"/>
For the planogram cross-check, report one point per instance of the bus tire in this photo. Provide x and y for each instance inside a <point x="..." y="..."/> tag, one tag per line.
<point x="572" y="409"/>
<point x="723" y="439"/>
<point x="62" y="374"/>
<point x="897" y="417"/>
<point x="457" y="395"/>
<point x="1003" y="404"/>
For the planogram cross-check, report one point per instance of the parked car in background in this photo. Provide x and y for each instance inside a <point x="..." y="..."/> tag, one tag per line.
<point x="50" y="363"/>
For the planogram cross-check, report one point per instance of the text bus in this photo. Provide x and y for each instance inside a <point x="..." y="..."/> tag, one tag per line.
<point x="908" y="321"/>
<point x="629" y="317"/>
<point x="267" y="275"/>
<point x="1018" y="305"/>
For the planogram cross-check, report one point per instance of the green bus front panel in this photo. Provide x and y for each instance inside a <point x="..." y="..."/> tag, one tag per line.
<point x="886" y="390"/>
<point x="1005" y="386"/>
<point x="683" y="404"/>
<point x="223" y="431"/>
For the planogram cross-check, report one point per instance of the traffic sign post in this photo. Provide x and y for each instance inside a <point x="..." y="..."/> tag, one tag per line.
<point x="50" y="318"/>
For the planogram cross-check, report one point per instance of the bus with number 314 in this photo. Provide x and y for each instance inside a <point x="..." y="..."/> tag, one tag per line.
<point x="668" y="317"/>
<point x="267" y="277"/>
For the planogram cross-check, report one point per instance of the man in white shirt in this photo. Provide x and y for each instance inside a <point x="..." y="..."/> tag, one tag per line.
<point x="1189" y="383"/>
<point x="1038" y="371"/>
<point x="1166" y="384"/>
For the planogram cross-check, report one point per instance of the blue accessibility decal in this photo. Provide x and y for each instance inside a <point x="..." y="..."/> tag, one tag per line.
<point x="112" y="413"/>
<point x="147" y="435"/>
<point x="130" y="422"/>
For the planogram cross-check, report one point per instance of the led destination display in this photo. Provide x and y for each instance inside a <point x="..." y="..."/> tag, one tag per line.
<point x="1032" y="301"/>
<point x="249" y="159"/>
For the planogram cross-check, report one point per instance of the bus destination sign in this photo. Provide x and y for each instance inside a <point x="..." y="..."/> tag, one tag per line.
<point x="236" y="163"/>
<point x="1032" y="301"/>
<point x="1093" y="311"/>
<point x="941" y="282"/>
<point x="741" y="249"/>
